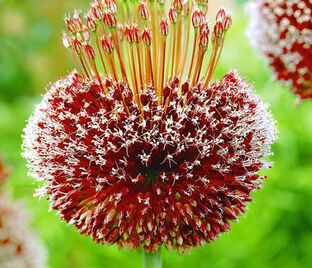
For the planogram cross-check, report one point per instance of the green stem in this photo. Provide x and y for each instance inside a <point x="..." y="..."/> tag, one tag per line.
<point x="151" y="260"/>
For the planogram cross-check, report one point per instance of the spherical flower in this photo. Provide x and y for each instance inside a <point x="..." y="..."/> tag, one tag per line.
<point x="282" y="31"/>
<point x="19" y="247"/>
<point x="149" y="151"/>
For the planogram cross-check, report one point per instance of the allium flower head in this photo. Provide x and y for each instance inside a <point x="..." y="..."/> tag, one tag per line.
<point x="19" y="247"/>
<point x="139" y="148"/>
<point x="282" y="31"/>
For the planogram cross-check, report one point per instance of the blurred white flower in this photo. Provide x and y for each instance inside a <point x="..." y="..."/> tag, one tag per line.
<point x="19" y="246"/>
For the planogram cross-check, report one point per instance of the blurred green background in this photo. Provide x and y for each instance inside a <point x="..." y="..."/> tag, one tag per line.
<point x="277" y="228"/>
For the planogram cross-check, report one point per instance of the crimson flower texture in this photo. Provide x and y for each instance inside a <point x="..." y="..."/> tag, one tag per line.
<point x="138" y="147"/>
<point x="282" y="31"/>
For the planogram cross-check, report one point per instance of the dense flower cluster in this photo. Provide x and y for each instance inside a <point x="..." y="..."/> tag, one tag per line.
<point x="282" y="31"/>
<point x="149" y="151"/>
<point x="19" y="247"/>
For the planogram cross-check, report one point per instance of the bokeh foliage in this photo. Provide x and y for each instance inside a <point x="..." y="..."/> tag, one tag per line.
<point x="276" y="230"/>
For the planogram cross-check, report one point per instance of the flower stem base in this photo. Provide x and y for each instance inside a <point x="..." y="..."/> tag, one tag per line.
<point x="151" y="260"/>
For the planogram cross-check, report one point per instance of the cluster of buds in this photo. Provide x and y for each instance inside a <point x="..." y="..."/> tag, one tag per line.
<point x="282" y="31"/>
<point x="138" y="147"/>
<point x="146" y="48"/>
<point x="19" y="247"/>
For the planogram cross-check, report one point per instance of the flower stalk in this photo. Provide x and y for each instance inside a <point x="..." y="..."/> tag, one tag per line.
<point x="152" y="260"/>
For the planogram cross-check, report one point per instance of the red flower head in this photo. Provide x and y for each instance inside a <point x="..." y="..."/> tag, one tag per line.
<point x="19" y="247"/>
<point x="282" y="31"/>
<point x="149" y="152"/>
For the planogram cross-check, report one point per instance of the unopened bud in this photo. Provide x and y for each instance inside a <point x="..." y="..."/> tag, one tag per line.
<point x="86" y="34"/>
<point x="204" y="28"/>
<point x="178" y="5"/>
<point x="227" y="22"/>
<point x="128" y="34"/>
<point x="90" y="52"/>
<point x="107" y="45"/>
<point x="164" y="27"/>
<point x="71" y="26"/>
<point x="77" y="46"/>
<point x="143" y="11"/>
<point x="204" y="40"/>
<point x="135" y="34"/>
<point x="218" y="29"/>
<point x="96" y="12"/>
<point x="67" y="42"/>
<point x="112" y="6"/>
<point x="173" y="15"/>
<point x="91" y="24"/>
<point x="220" y="15"/>
<point x="78" y="21"/>
<point x="109" y="19"/>
<point x="146" y="37"/>
<point x="197" y="18"/>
